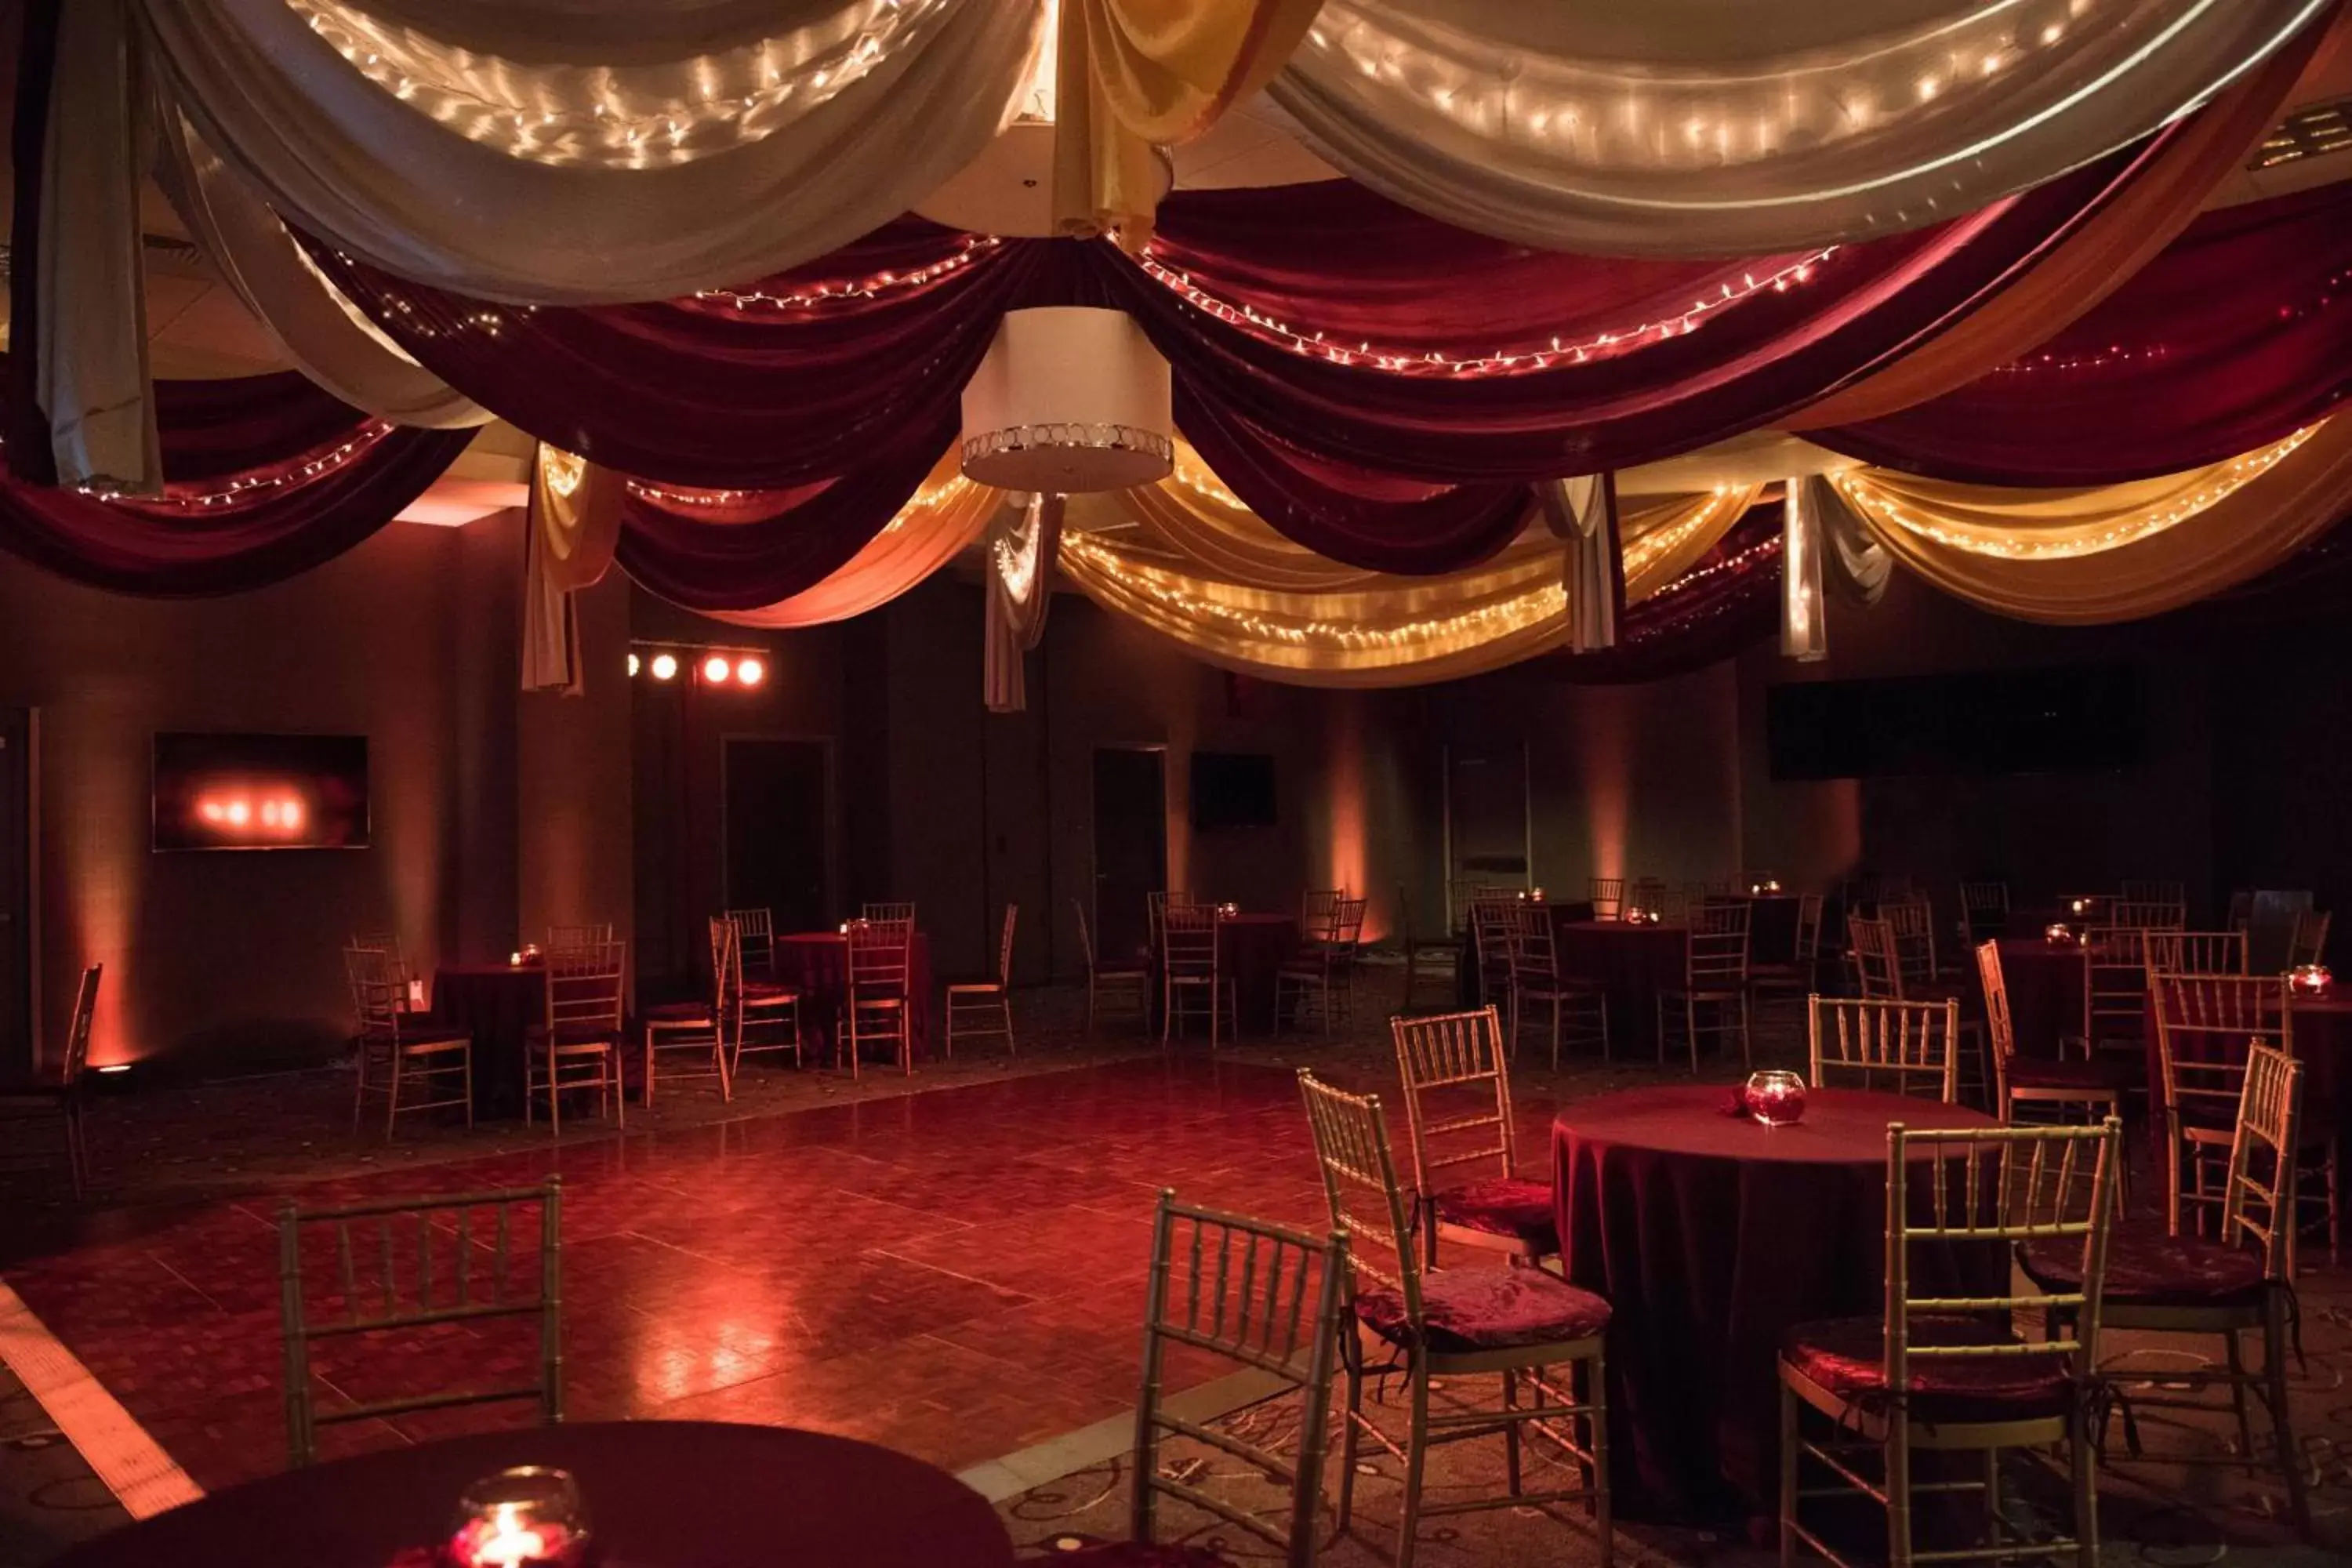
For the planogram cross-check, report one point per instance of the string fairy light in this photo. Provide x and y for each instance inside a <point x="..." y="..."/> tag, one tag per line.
<point x="247" y="488"/>
<point x="1557" y="350"/>
<point x="2222" y="480"/>
<point x="972" y="247"/>
<point x="2118" y="354"/>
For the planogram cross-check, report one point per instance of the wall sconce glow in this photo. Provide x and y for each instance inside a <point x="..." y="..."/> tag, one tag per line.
<point x="716" y="670"/>
<point x="665" y="666"/>
<point x="749" y="672"/>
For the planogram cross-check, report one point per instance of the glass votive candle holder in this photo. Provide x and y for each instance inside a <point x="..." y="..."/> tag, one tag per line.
<point x="2310" y="980"/>
<point x="1776" y="1097"/>
<point x="1229" y="910"/>
<point x="528" y="1517"/>
<point x="1535" y="895"/>
<point x="2078" y="906"/>
<point x="2058" y="935"/>
<point x="514" y="960"/>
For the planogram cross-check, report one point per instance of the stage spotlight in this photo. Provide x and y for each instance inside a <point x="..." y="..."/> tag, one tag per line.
<point x="749" y="672"/>
<point x="664" y="665"/>
<point x="633" y="666"/>
<point x="716" y="670"/>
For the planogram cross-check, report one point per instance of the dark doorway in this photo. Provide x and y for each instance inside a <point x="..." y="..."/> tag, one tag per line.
<point x="779" y="831"/>
<point x="1487" y="820"/>
<point x="1130" y="798"/>
<point x="15" y="891"/>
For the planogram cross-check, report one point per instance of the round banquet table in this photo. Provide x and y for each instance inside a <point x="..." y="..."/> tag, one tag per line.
<point x="1711" y="1235"/>
<point x="2047" y="984"/>
<point x="1469" y="985"/>
<point x="817" y="961"/>
<point x="1250" y="949"/>
<point x="1632" y="962"/>
<point x="498" y="1004"/>
<point x="2321" y="1034"/>
<point x="661" y="1494"/>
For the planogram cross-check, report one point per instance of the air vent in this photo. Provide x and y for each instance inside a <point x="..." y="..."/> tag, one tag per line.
<point x="2306" y="133"/>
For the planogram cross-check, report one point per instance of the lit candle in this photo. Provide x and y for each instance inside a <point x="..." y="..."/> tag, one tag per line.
<point x="514" y="960"/>
<point x="2310" y="980"/>
<point x="2058" y="935"/>
<point x="528" y="1517"/>
<point x="2078" y="907"/>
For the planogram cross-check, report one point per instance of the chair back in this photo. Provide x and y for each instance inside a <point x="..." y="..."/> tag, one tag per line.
<point x="2260" y="1208"/>
<point x="404" y="1268"/>
<point x="2205" y="1026"/>
<point x="2117" y="989"/>
<point x="1950" y="1187"/>
<point x="1714" y="916"/>
<point x="1716" y="953"/>
<point x="2194" y="952"/>
<point x="880" y="962"/>
<point x="1190" y="939"/>
<point x="585" y="991"/>
<point x="755" y="936"/>
<point x="1492" y="918"/>
<point x="2001" y="1030"/>
<point x="1912" y="923"/>
<point x="1317" y="908"/>
<point x="84" y="1009"/>
<point x="376" y="991"/>
<point x="1359" y="1184"/>
<point x="1348" y="924"/>
<point x="1876" y="968"/>
<point x="2155" y="890"/>
<point x="1902" y="1047"/>
<point x="1085" y="934"/>
<point x="2149" y="914"/>
<point x="1984" y="908"/>
<point x="726" y="965"/>
<point x="388" y="943"/>
<point x="895" y="912"/>
<point x="1241" y="1289"/>
<point x="2309" y="941"/>
<point x="1535" y="960"/>
<point x="1005" y="947"/>
<point x="1607" y="895"/>
<point x="1445" y="1061"/>
<point x="1646" y="893"/>
<point x="578" y="938"/>
<point x="1808" y="930"/>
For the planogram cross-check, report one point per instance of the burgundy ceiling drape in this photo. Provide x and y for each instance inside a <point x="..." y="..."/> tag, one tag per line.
<point x="269" y="477"/>
<point x="2239" y="333"/>
<point x="794" y="380"/>
<point x="1725" y="603"/>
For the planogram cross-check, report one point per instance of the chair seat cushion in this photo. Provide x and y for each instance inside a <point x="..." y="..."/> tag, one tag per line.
<point x="2070" y="1072"/>
<point x="2146" y="1268"/>
<point x="434" y="1039"/>
<point x="1139" y="1554"/>
<point x="677" y="1013"/>
<point x="1473" y="1309"/>
<point x="1504" y="1206"/>
<point x="977" y="988"/>
<point x="770" y="991"/>
<point x="1846" y="1356"/>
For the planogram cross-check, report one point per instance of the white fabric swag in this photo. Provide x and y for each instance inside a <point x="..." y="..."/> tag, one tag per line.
<point x="1583" y="512"/>
<point x="1728" y="127"/>
<point x="1022" y="543"/>
<point x="583" y="152"/>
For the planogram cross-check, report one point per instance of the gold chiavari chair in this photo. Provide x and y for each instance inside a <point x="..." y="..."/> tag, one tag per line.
<point x="2144" y="914"/>
<point x="1901" y="1047"/>
<point x="399" y="1055"/>
<point x="577" y="1043"/>
<point x="388" y="943"/>
<point x="1578" y="1008"/>
<point x="2088" y="1086"/>
<point x="1801" y="973"/>
<point x="1984" y="910"/>
<point x="879" y="1007"/>
<point x="2193" y="953"/>
<point x="1912" y="923"/>
<point x="762" y="1012"/>
<point x="887" y="912"/>
<point x="1206" y="1295"/>
<point x="2206" y="1026"/>
<point x="1457" y="1101"/>
<point x="1491" y="915"/>
<point x="1324" y="970"/>
<point x="699" y="1025"/>
<point x="1646" y="893"/>
<point x="755" y="934"/>
<point x="578" y="938"/>
<point x="1607" y="895"/>
<point x="984" y="1008"/>
<point x="2155" y="890"/>
<point x="1315" y="906"/>
<point x="1440" y="955"/>
<point x="1877" y="967"/>
<point x="2116" y="989"/>
<point x="1951" y="1373"/>
<point x="1110" y="975"/>
<point x="1712" y="996"/>
<point x="430" y="1262"/>
<point x="1452" y="1325"/>
<point x="2309" y="942"/>
<point x="1191" y="971"/>
<point x="62" y="1092"/>
<point x="2240" y="1284"/>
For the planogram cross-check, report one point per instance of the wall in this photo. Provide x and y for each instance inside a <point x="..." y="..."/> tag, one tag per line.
<point x="230" y="961"/>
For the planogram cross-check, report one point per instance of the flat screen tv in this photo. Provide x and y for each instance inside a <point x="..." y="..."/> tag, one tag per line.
<point x="260" y="792"/>
<point x="2070" y="719"/>
<point x="1232" y="789"/>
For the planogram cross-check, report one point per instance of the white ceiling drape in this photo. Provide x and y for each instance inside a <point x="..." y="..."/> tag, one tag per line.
<point x="1726" y="127"/>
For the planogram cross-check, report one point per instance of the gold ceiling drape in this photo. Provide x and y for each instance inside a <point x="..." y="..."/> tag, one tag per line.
<point x="2113" y="552"/>
<point x="946" y="515"/>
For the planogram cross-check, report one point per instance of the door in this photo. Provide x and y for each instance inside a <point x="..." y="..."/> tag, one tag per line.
<point x="1130" y="805"/>
<point x="1487" y="820"/>
<point x="779" y="830"/>
<point x="16" y="1049"/>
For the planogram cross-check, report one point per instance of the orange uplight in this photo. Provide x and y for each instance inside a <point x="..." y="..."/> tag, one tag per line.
<point x="716" y="670"/>
<point x="749" y="672"/>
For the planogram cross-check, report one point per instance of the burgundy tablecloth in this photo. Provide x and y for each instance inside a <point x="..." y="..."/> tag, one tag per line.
<point x="1711" y="1236"/>
<point x="1633" y="962"/>
<point x="498" y="1003"/>
<point x="2045" y="982"/>
<point x="818" y="963"/>
<point x="661" y="1494"/>
<point x="2322" y="1038"/>
<point x="1470" y="986"/>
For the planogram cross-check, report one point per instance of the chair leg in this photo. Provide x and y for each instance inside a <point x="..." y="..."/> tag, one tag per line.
<point x="467" y="1067"/>
<point x="2082" y="1462"/>
<point x="1416" y="1461"/>
<point x="1352" y="1353"/>
<point x="1690" y="1027"/>
<point x="1898" y="1493"/>
<point x="359" y="1090"/>
<point x="1012" y="1046"/>
<point x="646" y="1094"/>
<point x="554" y="1095"/>
<point x="1511" y="1435"/>
<point x="2298" y="1500"/>
<point x="392" y="1102"/>
<point x="2237" y="1364"/>
<point x="1595" y="1380"/>
<point x="1788" y="1452"/>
